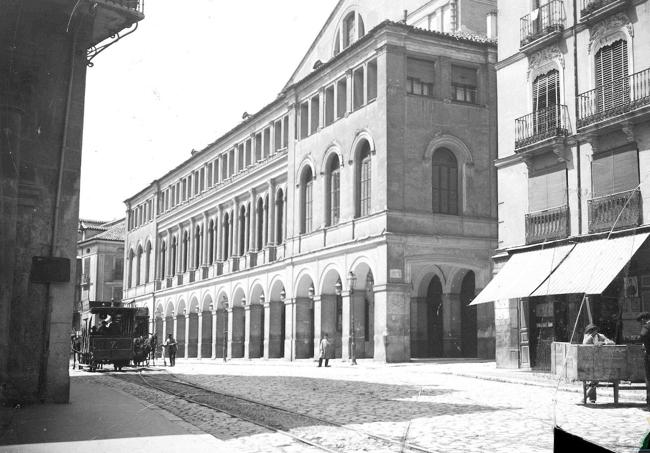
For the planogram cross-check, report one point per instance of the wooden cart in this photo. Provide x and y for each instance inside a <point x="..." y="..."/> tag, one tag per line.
<point x="605" y="364"/>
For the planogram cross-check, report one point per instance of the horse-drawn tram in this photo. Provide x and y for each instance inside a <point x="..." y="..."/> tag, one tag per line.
<point x="111" y="333"/>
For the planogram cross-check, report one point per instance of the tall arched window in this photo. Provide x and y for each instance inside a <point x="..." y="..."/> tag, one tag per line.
<point x="306" y="200"/>
<point x="129" y="281"/>
<point x="612" y="84"/>
<point x="211" y="242"/>
<point x="333" y="203"/>
<point x="279" y="220"/>
<point x="226" y="236"/>
<point x="260" y="224"/>
<point x="444" y="182"/>
<point x="163" y="259"/>
<point x="350" y="30"/>
<point x="174" y="248"/>
<point x="186" y="250"/>
<point x="267" y="237"/>
<point x="139" y="266"/>
<point x="147" y="262"/>
<point x="242" y="230"/>
<point x="198" y="239"/>
<point x="364" y="180"/>
<point x="546" y="99"/>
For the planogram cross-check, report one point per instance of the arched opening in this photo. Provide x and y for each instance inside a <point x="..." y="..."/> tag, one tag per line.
<point x="444" y="182"/>
<point x="468" y="322"/>
<point x="363" y="180"/>
<point x="362" y="311"/>
<point x="222" y="327"/>
<point x="255" y="340"/>
<point x="197" y="247"/>
<point x="211" y="234"/>
<point x="333" y="191"/>
<point x="279" y="217"/>
<point x="331" y="311"/>
<point x="306" y="200"/>
<point x="181" y="315"/>
<point x="129" y="281"/>
<point x="205" y="321"/>
<point x="426" y="320"/>
<point x="303" y="342"/>
<point x="193" y="329"/>
<point x="186" y="246"/>
<point x="173" y="256"/>
<point x="276" y="321"/>
<point x="238" y="324"/>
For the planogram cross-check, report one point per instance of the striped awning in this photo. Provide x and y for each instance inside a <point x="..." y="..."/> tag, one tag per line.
<point x="523" y="273"/>
<point x="591" y="266"/>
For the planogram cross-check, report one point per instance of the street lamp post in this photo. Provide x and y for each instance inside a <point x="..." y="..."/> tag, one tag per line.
<point x="353" y="345"/>
<point x="225" y="329"/>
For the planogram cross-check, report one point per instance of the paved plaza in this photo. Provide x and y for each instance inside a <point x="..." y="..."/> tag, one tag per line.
<point x="436" y="406"/>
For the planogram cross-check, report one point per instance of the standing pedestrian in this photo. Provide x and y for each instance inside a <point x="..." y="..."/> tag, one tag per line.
<point x="171" y="347"/>
<point x="325" y="351"/>
<point x="593" y="337"/>
<point x="644" y="320"/>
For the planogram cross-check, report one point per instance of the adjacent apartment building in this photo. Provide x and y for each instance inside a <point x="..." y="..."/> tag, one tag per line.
<point x="100" y="264"/>
<point x="360" y="203"/>
<point x="573" y="170"/>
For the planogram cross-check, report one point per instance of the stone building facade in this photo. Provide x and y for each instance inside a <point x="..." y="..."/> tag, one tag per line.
<point x="360" y="203"/>
<point x="44" y="50"/>
<point x="573" y="166"/>
<point x="100" y="264"/>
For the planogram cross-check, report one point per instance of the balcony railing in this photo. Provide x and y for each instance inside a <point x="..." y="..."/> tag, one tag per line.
<point x="546" y="19"/>
<point x="547" y="225"/>
<point x="619" y="210"/>
<point x="541" y="125"/>
<point x="588" y="7"/>
<point x="614" y="98"/>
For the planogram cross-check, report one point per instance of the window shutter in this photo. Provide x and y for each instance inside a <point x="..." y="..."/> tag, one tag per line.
<point x="611" y="75"/>
<point x="537" y="199"/>
<point x="602" y="174"/>
<point x="420" y="69"/>
<point x="547" y="190"/>
<point x="463" y="76"/>
<point x="625" y="170"/>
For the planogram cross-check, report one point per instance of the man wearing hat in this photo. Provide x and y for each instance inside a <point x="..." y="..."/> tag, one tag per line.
<point x="644" y="320"/>
<point x="593" y="337"/>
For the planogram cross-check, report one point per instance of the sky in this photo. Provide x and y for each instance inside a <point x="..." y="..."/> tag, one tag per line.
<point x="185" y="77"/>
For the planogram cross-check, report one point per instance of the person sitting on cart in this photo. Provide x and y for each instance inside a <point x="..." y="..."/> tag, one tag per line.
<point x="593" y="337"/>
<point x="103" y="328"/>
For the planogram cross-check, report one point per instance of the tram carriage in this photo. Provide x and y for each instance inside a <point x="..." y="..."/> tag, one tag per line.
<point x="108" y="333"/>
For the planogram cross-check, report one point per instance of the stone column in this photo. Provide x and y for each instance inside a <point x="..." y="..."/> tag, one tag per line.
<point x="267" y="330"/>
<point x="318" y="326"/>
<point x="200" y="334"/>
<point x="230" y="331"/>
<point x="187" y="334"/>
<point x="289" y="334"/>
<point x="346" y="334"/>
<point x="328" y="319"/>
<point x="392" y="320"/>
<point x="253" y="330"/>
<point x="175" y="321"/>
<point x="214" y="333"/>
<point x="247" y="330"/>
<point x="164" y="330"/>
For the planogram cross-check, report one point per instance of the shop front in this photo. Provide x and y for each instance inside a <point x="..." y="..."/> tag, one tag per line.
<point x="549" y="295"/>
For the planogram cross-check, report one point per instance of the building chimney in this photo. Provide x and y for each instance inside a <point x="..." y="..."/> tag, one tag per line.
<point x="491" y="29"/>
<point x="406" y="15"/>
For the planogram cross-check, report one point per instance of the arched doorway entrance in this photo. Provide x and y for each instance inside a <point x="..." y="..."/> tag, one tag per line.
<point x="426" y="320"/>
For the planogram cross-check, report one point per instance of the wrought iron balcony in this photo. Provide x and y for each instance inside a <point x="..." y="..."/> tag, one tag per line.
<point x="620" y="96"/>
<point x="541" y="125"/>
<point x="619" y="210"/>
<point x="547" y="21"/>
<point x="591" y="10"/>
<point x="547" y="225"/>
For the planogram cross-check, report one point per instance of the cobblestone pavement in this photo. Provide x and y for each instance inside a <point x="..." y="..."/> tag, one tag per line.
<point x="416" y="402"/>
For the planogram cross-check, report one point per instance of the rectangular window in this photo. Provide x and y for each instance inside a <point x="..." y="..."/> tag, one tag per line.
<point x="463" y="84"/>
<point x="258" y="147"/>
<point x="249" y="153"/>
<point x="240" y="157"/>
<point x="304" y="120"/>
<point x="266" y="150"/>
<point x="118" y="268"/>
<point x="341" y="98"/>
<point x="285" y="131"/>
<point x="184" y="196"/>
<point x="372" y="80"/>
<point x="329" y="105"/>
<point x="202" y="188"/>
<point x="277" y="133"/>
<point x="365" y="187"/>
<point x="419" y="77"/>
<point x="359" y="88"/>
<point x="315" y="114"/>
<point x="615" y="171"/>
<point x="209" y="170"/>
<point x="547" y="189"/>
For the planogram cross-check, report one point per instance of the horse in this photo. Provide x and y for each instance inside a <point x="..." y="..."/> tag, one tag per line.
<point x="141" y="352"/>
<point x="152" y="344"/>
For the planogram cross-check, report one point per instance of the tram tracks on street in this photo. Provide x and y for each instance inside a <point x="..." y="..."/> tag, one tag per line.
<point x="318" y="433"/>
